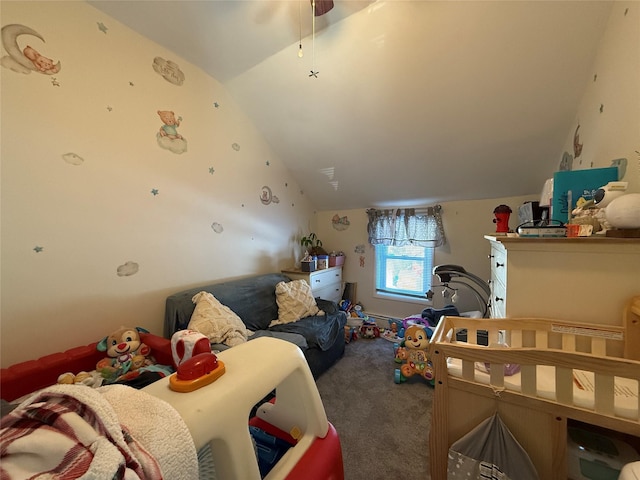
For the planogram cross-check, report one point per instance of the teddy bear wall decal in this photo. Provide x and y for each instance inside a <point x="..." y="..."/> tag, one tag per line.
<point x="168" y="136"/>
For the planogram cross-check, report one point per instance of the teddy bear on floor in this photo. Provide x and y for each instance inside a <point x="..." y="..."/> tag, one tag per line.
<point x="126" y="353"/>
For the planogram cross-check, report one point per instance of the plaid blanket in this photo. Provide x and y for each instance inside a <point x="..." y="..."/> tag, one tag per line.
<point x="68" y="431"/>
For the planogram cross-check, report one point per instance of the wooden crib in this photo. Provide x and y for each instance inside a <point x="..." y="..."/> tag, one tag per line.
<point x="568" y="372"/>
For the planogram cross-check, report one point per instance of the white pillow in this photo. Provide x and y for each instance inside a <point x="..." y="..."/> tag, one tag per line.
<point x="217" y="321"/>
<point x="295" y="301"/>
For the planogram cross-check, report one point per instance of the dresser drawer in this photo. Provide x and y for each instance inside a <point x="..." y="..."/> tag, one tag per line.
<point x="498" y="262"/>
<point x="332" y="292"/>
<point x="498" y="299"/>
<point x="325" y="278"/>
<point x="326" y="284"/>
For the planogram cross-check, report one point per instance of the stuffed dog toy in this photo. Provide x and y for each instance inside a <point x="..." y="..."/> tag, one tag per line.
<point x="125" y="353"/>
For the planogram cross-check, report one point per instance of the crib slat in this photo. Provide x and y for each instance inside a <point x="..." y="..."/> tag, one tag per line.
<point x="604" y="393"/>
<point x="493" y="336"/>
<point x="468" y="370"/>
<point x="542" y="339"/>
<point x="564" y="385"/>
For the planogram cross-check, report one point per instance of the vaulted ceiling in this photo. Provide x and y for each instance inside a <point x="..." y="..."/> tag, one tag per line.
<point x="414" y="102"/>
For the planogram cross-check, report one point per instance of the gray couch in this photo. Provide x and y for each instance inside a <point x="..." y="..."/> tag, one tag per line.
<point x="253" y="299"/>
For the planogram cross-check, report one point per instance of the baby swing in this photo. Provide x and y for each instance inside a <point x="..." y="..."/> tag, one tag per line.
<point x="411" y="353"/>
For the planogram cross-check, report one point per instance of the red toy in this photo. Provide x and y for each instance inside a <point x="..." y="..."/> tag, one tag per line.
<point x="502" y="213"/>
<point x="369" y="330"/>
<point x="198" y="371"/>
<point x="188" y="343"/>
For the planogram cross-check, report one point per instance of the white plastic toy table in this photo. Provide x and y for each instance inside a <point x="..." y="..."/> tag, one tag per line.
<point x="218" y="413"/>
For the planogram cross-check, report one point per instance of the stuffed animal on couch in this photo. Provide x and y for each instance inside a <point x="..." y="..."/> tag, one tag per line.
<point x="125" y="353"/>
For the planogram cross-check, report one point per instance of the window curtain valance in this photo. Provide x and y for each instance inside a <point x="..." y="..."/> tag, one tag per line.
<point x="409" y="226"/>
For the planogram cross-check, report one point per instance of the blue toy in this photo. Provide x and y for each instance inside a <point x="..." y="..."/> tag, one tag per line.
<point x="412" y="354"/>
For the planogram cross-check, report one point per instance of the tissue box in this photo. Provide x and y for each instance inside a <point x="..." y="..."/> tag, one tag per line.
<point x="309" y="266"/>
<point x="336" y="260"/>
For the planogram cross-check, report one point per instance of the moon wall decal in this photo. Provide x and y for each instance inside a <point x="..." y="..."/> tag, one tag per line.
<point x="10" y="34"/>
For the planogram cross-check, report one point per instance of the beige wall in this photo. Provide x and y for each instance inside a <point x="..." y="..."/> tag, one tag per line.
<point x="609" y="113"/>
<point x="605" y="135"/>
<point x="465" y="225"/>
<point x="92" y="216"/>
<point x="94" y="212"/>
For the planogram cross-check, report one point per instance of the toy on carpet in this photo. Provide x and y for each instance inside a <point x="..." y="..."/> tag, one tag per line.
<point x="125" y="353"/>
<point x="353" y="310"/>
<point x="395" y="332"/>
<point x="412" y="354"/>
<point x="350" y="333"/>
<point x="369" y="330"/>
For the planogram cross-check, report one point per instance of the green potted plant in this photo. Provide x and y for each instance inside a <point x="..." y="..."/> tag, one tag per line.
<point x="312" y="244"/>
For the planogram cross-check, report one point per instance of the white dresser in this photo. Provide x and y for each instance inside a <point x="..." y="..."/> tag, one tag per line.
<point x="326" y="283"/>
<point x="587" y="279"/>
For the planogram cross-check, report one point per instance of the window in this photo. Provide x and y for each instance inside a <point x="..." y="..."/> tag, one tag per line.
<point x="404" y="270"/>
<point x="405" y="241"/>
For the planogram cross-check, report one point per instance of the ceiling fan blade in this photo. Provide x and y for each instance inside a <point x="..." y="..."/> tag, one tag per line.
<point x="322" y="6"/>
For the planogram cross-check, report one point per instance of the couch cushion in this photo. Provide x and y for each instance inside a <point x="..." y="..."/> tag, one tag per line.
<point x="216" y="321"/>
<point x="295" y="301"/>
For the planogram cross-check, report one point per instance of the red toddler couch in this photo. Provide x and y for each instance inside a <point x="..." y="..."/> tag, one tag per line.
<point x="26" y="377"/>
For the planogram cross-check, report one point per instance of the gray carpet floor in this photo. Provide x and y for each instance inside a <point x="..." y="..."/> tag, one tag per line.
<point x="383" y="426"/>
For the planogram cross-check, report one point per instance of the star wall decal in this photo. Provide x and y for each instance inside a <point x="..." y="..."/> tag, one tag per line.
<point x="54" y="82"/>
<point x="102" y="27"/>
<point x="216" y="104"/>
<point x="211" y="170"/>
<point x="267" y="162"/>
<point x="131" y="84"/>
<point x="154" y="191"/>
<point x="38" y="249"/>
<point x="314" y="74"/>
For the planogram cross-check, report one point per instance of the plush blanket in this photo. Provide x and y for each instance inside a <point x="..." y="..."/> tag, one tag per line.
<point x="114" y="432"/>
<point x="317" y="331"/>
